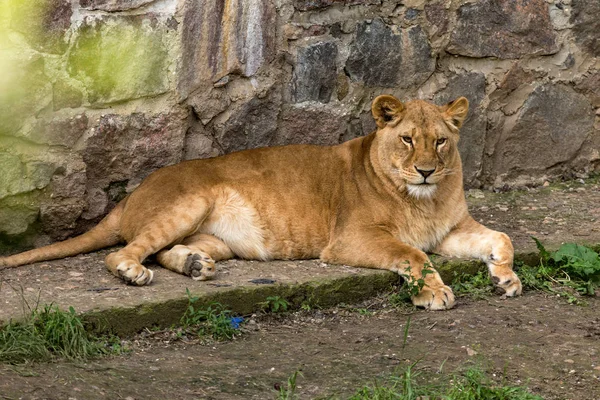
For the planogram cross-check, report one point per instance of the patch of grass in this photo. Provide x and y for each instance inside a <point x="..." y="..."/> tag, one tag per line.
<point x="211" y="321"/>
<point x="275" y="304"/>
<point x="473" y="384"/>
<point x="363" y="309"/>
<point x="476" y="286"/>
<point x="399" y="299"/>
<point x="570" y="272"/>
<point x="51" y="333"/>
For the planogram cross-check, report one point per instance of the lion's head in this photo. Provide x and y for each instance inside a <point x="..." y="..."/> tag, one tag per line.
<point x="417" y="142"/>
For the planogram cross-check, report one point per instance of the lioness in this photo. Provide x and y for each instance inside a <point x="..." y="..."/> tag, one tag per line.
<point x="379" y="201"/>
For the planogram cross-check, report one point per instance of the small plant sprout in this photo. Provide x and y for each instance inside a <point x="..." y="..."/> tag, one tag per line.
<point x="289" y="392"/>
<point x="275" y="304"/>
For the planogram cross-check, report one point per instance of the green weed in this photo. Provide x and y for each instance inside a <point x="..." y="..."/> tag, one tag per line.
<point x="412" y="285"/>
<point x="570" y="272"/>
<point x="275" y="304"/>
<point x="50" y="333"/>
<point x="401" y="299"/>
<point x="289" y="392"/>
<point x="405" y="337"/>
<point x="212" y="321"/>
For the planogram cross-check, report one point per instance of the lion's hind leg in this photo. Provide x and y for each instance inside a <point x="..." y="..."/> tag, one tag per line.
<point x="195" y="256"/>
<point x="166" y="227"/>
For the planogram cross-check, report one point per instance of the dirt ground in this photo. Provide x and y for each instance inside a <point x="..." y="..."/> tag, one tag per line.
<point x="538" y="340"/>
<point x="557" y="213"/>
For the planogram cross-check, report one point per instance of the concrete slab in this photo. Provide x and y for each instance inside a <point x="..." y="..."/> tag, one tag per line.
<point x="554" y="214"/>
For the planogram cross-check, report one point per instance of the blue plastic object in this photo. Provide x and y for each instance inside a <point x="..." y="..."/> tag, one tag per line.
<point x="236" y="321"/>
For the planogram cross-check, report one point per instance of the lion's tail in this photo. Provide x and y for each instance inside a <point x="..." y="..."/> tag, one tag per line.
<point x="105" y="234"/>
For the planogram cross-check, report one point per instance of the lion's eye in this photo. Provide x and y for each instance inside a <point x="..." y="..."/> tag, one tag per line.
<point x="441" y="141"/>
<point x="407" y="139"/>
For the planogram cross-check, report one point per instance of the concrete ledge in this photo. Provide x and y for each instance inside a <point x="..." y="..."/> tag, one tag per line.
<point x="115" y="307"/>
<point x="244" y="301"/>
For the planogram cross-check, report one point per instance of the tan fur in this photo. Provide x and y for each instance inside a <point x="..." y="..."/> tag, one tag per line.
<point x="379" y="201"/>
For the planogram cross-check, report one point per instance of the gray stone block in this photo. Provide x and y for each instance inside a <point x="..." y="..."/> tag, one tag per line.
<point x="504" y="29"/>
<point x="315" y="73"/>
<point x="383" y="56"/>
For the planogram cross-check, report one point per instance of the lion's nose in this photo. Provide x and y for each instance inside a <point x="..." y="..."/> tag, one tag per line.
<point x="425" y="172"/>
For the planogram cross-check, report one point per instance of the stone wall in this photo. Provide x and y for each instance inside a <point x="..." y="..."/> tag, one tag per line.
<point x="96" y="94"/>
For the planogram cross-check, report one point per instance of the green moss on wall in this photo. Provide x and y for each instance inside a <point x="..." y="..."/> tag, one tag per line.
<point x="120" y="59"/>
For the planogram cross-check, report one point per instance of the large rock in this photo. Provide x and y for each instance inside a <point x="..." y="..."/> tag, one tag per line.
<point x="121" y="150"/>
<point x="209" y="103"/>
<point x="113" y="5"/>
<point x="549" y="130"/>
<point x="437" y="15"/>
<point x="589" y="84"/>
<point x="17" y="213"/>
<point x="473" y="133"/>
<point x="65" y="95"/>
<point x="306" y="5"/>
<point x="21" y="174"/>
<point x="315" y="73"/>
<point x="221" y="38"/>
<point x="25" y="89"/>
<point x="585" y="17"/>
<point x="33" y="177"/>
<point x="503" y="29"/>
<point x="121" y="58"/>
<point x="383" y="56"/>
<point x="43" y="23"/>
<point x="199" y="143"/>
<point x="57" y="130"/>
<point x="311" y="124"/>
<point x="248" y="124"/>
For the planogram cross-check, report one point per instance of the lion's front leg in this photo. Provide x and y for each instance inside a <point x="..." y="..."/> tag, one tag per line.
<point x="470" y="239"/>
<point x="378" y="249"/>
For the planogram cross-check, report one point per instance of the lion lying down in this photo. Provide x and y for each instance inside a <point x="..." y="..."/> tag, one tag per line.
<point x="379" y="201"/>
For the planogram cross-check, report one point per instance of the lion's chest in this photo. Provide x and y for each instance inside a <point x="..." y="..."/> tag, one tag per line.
<point x="424" y="232"/>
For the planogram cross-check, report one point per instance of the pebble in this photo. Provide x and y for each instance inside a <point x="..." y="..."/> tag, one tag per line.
<point x="471" y="352"/>
<point x="475" y="193"/>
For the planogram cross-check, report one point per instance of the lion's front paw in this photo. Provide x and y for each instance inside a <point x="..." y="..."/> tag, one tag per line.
<point x="440" y="298"/>
<point x="508" y="283"/>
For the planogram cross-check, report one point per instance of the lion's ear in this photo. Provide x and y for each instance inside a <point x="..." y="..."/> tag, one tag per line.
<point x="385" y="109"/>
<point x="456" y="111"/>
